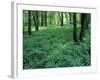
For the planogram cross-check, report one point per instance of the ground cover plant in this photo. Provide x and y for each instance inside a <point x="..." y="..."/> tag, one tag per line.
<point x="56" y="39"/>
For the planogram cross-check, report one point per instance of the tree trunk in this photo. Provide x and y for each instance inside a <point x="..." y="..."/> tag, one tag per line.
<point x="45" y="18"/>
<point x="88" y="20"/>
<point x="75" y="37"/>
<point x="42" y="18"/>
<point x="71" y="18"/>
<point x="84" y="24"/>
<point x="36" y="23"/>
<point x="62" y="19"/>
<point x="29" y="23"/>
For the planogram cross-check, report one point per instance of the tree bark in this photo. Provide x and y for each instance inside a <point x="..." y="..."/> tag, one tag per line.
<point x="36" y="23"/>
<point x="29" y="23"/>
<point x="75" y="37"/>
<point x="42" y="18"/>
<point x="88" y="20"/>
<point x="84" y="24"/>
<point x="45" y="18"/>
<point x="71" y="18"/>
<point x="62" y="19"/>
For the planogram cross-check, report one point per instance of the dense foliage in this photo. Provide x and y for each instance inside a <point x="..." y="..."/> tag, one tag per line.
<point x="54" y="47"/>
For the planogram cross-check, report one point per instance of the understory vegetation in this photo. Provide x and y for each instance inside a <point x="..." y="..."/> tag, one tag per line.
<point x="53" y="47"/>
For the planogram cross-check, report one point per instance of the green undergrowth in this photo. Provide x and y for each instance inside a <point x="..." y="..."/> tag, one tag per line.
<point x="54" y="47"/>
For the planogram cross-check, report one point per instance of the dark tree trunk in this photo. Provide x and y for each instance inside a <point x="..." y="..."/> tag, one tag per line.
<point x="88" y="20"/>
<point x="71" y="18"/>
<point x="84" y="24"/>
<point x="59" y="18"/>
<point x="42" y="22"/>
<point x="29" y="23"/>
<point x="36" y="23"/>
<point x="45" y="18"/>
<point x="75" y="37"/>
<point x="62" y="19"/>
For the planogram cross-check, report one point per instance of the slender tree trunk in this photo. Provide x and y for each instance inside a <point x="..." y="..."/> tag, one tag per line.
<point x="29" y="23"/>
<point x="45" y="18"/>
<point x="36" y="23"/>
<point x="62" y="19"/>
<point x="84" y="24"/>
<point x="71" y="18"/>
<point x="88" y="20"/>
<point x="75" y="37"/>
<point x="42" y="22"/>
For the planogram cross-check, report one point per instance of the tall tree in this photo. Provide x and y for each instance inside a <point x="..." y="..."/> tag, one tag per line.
<point x="62" y="19"/>
<point x="88" y="20"/>
<point x="42" y="22"/>
<point x="45" y="18"/>
<point x="84" y="24"/>
<point x="29" y="22"/>
<point x="36" y="22"/>
<point x="75" y="37"/>
<point x="71" y="18"/>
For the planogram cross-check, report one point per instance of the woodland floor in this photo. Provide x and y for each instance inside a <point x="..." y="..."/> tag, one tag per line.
<point x="53" y="47"/>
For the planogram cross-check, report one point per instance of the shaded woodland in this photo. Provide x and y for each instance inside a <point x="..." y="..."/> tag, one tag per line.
<point x="56" y="39"/>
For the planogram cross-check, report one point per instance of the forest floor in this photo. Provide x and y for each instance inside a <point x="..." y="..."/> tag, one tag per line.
<point x="52" y="47"/>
